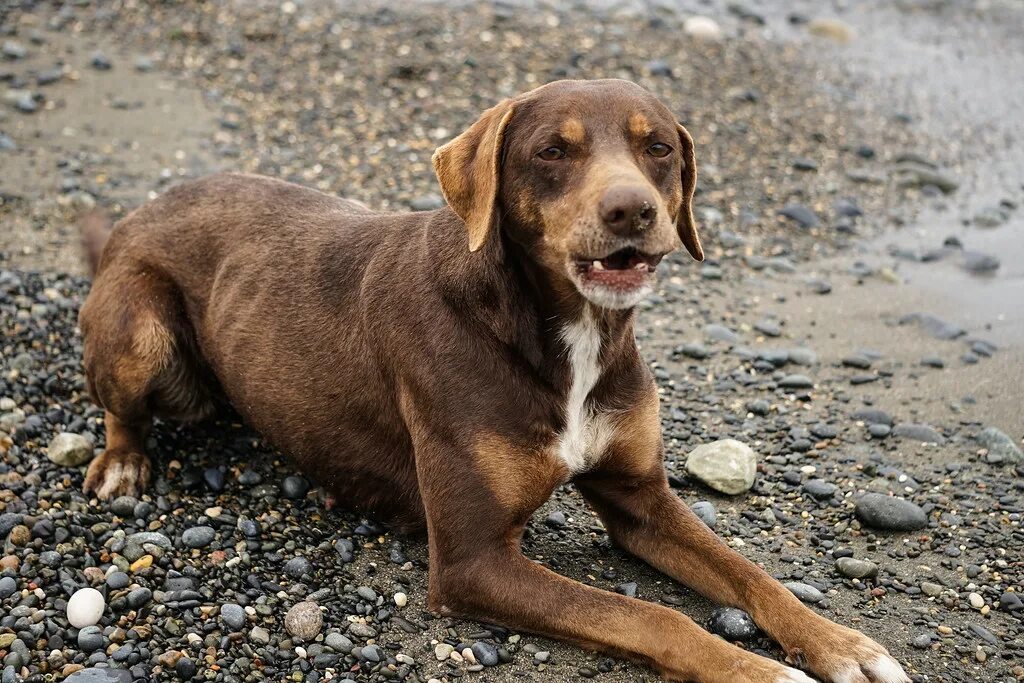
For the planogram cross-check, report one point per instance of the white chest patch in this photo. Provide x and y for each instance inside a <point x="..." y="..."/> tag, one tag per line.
<point x="587" y="431"/>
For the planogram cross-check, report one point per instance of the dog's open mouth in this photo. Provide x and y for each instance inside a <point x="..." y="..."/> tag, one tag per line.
<point x="623" y="269"/>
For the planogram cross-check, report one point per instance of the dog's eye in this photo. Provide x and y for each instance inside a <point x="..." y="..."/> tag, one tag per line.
<point x="551" y="153"/>
<point x="659" y="149"/>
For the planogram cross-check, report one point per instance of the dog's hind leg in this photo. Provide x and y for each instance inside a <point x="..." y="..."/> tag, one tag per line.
<point x="138" y="362"/>
<point x="123" y="467"/>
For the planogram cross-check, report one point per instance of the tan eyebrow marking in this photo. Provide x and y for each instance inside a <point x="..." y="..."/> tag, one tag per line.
<point x="573" y="132"/>
<point x="639" y="126"/>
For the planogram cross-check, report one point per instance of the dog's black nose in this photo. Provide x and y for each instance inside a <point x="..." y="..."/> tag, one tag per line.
<point x="627" y="210"/>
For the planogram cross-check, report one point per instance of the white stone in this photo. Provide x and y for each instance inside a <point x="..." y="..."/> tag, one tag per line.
<point x="70" y="450"/>
<point x="833" y="29"/>
<point x="85" y="607"/>
<point x="728" y="465"/>
<point x="704" y="28"/>
<point x="977" y="602"/>
<point x="401" y="599"/>
<point x="443" y="651"/>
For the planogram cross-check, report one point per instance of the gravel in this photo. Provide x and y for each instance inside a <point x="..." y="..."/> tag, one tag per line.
<point x="226" y="516"/>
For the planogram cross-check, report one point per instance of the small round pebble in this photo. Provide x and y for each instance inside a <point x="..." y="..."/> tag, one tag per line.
<point x="304" y="620"/>
<point x="297" y="567"/>
<point x="880" y="511"/>
<point x="732" y="624"/>
<point x="294" y="487"/>
<point x="198" y="536"/>
<point x="233" y="616"/>
<point x="485" y="653"/>
<point x="853" y="568"/>
<point x="85" y="608"/>
<point x="90" y="639"/>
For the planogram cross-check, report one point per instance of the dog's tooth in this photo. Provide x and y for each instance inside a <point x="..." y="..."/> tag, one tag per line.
<point x="640" y="266"/>
<point x="598" y="265"/>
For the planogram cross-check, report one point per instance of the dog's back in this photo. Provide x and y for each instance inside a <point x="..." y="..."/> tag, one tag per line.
<point x="245" y="282"/>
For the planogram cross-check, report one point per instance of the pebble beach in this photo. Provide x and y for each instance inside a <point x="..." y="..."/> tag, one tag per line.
<point x="840" y="381"/>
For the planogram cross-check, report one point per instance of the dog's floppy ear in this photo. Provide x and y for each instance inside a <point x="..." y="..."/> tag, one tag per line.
<point x="684" y="223"/>
<point x="467" y="169"/>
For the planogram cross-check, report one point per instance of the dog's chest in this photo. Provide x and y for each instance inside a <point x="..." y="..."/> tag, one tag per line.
<point x="587" y="430"/>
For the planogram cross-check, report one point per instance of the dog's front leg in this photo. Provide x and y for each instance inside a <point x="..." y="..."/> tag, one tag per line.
<point x="478" y="498"/>
<point x="643" y="515"/>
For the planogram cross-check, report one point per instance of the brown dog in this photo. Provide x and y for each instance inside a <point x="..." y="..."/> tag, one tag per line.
<point x="472" y="358"/>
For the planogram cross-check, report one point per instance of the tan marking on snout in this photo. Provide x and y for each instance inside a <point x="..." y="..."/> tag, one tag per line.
<point x="571" y="224"/>
<point x="639" y="126"/>
<point x="573" y="132"/>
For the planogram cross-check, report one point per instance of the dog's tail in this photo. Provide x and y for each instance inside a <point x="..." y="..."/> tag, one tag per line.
<point x="95" y="227"/>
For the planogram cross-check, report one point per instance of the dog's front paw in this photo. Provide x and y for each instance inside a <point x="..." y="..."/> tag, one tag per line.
<point x="725" y="663"/>
<point x="837" y="654"/>
<point x="117" y="473"/>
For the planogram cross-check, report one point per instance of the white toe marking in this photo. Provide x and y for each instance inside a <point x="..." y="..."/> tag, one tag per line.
<point x="111" y="478"/>
<point x="794" y="676"/>
<point x="886" y="670"/>
<point x="847" y="675"/>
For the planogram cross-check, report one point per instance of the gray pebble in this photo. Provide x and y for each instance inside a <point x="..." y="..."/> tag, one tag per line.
<point x="297" y="567"/>
<point x="90" y="639"/>
<point x="100" y="61"/>
<point x="820" y="488"/>
<point x="706" y="511"/>
<point x="804" y="592"/>
<point x="853" y="568"/>
<point x="338" y="642"/>
<point x="485" y="653"/>
<point x="880" y="511"/>
<point x="233" y="616"/>
<point x="198" y="537"/>
<point x="732" y="624"/>
<point x="796" y="382"/>
<point x="800" y="214"/>
<point x="1001" y="448"/>
<point x="259" y="635"/>
<point x="139" y="597"/>
<point x="918" y="432"/>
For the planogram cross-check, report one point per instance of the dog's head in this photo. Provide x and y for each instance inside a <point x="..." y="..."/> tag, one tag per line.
<point x="594" y="178"/>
